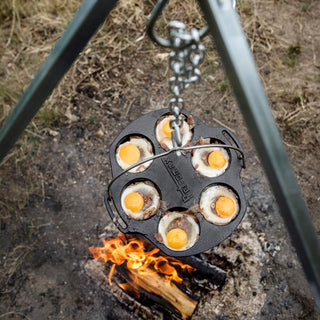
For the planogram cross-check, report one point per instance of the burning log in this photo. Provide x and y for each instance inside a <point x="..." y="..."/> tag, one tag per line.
<point x="153" y="283"/>
<point x="97" y="271"/>
<point x="142" y="271"/>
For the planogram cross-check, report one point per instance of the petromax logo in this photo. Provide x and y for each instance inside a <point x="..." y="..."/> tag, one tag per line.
<point x="178" y="180"/>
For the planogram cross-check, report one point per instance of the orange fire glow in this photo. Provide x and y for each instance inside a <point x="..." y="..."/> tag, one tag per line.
<point x="135" y="254"/>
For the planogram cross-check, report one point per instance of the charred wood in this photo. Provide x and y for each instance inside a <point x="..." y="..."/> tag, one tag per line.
<point x="98" y="271"/>
<point x="206" y="272"/>
<point x="168" y="295"/>
<point x="151" y="296"/>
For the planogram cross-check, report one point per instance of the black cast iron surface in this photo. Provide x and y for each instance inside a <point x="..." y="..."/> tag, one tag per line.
<point x="179" y="185"/>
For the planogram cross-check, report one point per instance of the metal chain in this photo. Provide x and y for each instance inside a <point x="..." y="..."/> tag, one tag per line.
<point x="183" y="61"/>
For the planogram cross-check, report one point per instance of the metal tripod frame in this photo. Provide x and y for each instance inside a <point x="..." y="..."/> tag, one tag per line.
<point x="225" y="28"/>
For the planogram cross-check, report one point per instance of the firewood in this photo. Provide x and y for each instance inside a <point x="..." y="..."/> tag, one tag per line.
<point x="150" y="293"/>
<point x="98" y="271"/>
<point x="205" y="270"/>
<point x="156" y="284"/>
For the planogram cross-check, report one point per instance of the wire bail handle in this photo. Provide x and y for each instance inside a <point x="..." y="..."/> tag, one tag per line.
<point x="177" y="149"/>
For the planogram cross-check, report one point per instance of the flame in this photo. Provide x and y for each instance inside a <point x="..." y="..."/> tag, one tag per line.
<point x="134" y="253"/>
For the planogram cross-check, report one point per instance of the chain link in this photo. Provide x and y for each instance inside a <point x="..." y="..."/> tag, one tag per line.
<point x="183" y="61"/>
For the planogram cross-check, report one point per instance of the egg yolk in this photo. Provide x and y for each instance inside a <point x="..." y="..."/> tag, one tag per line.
<point x="133" y="201"/>
<point x="166" y="128"/>
<point x="225" y="206"/>
<point x="129" y="153"/>
<point x="176" y="238"/>
<point x="216" y="159"/>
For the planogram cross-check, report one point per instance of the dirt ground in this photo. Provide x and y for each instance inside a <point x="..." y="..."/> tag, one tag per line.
<point x="53" y="181"/>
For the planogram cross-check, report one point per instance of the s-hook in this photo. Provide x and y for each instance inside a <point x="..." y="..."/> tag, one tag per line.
<point x="161" y="4"/>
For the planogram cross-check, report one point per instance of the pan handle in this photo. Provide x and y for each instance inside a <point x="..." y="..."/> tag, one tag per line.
<point x="114" y="219"/>
<point x="228" y="134"/>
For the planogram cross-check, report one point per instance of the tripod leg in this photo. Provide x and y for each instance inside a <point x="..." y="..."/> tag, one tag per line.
<point x="238" y="61"/>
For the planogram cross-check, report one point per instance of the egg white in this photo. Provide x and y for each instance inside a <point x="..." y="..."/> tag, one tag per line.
<point x="204" y="168"/>
<point x="165" y="141"/>
<point x="145" y="149"/>
<point x="165" y="222"/>
<point x="209" y="196"/>
<point x="143" y="189"/>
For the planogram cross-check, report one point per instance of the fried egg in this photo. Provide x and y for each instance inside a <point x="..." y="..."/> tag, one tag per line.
<point x="140" y="200"/>
<point x="219" y="205"/>
<point x="210" y="162"/>
<point x="163" y="132"/>
<point x="178" y="231"/>
<point x="132" y="151"/>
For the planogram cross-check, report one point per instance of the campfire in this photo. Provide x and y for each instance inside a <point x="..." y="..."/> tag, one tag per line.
<point x="133" y="253"/>
<point x="147" y="272"/>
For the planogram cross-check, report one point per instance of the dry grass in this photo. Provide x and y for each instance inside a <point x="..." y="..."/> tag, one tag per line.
<point x="106" y="72"/>
<point x="107" y="76"/>
<point x="288" y="61"/>
<point x="30" y="29"/>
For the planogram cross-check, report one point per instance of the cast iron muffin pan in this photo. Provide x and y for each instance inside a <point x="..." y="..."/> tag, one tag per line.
<point x="178" y="183"/>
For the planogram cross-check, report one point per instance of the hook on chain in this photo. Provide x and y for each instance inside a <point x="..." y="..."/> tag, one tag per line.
<point x="161" y="4"/>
